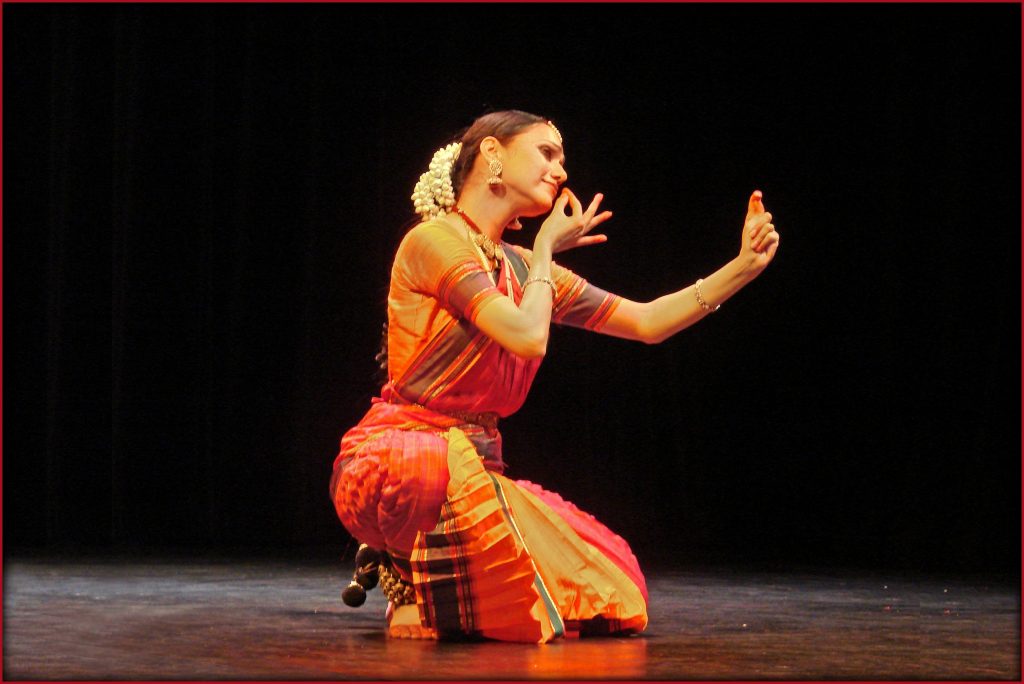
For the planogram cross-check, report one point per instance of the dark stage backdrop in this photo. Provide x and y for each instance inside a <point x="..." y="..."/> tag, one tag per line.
<point x="201" y="204"/>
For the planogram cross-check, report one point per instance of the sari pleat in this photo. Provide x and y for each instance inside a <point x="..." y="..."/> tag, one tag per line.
<point x="472" y="570"/>
<point x="501" y="563"/>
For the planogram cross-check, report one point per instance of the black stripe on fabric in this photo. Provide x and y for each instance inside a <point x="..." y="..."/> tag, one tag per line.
<point x="441" y="575"/>
<point x="465" y="584"/>
<point x="518" y="264"/>
<point x="403" y="565"/>
<point x="435" y="539"/>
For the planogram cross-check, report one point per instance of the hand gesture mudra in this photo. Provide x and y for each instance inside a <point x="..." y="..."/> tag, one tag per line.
<point x="760" y="240"/>
<point x="568" y="231"/>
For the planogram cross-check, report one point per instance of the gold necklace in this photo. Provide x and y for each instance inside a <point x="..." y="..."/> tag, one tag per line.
<point x="491" y="250"/>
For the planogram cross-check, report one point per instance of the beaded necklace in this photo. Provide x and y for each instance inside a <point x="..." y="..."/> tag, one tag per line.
<point x="486" y="244"/>
<point x="487" y="249"/>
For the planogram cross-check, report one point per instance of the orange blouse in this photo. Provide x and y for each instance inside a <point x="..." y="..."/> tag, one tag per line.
<point x="437" y="357"/>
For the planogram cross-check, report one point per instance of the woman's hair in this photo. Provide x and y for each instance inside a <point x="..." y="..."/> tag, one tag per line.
<point x="502" y="125"/>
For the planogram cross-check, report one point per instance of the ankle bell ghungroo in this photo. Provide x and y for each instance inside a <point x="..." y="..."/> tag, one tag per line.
<point x="397" y="591"/>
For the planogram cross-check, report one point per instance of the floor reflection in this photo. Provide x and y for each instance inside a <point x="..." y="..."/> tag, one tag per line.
<point x="195" y="621"/>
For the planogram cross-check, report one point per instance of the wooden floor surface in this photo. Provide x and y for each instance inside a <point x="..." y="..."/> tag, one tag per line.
<point x="207" y="620"/>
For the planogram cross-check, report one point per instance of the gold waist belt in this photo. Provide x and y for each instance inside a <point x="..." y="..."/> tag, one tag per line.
<point x="487" y="420"/>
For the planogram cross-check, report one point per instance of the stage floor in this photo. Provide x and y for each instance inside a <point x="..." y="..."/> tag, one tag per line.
<point x="271" y="620"/>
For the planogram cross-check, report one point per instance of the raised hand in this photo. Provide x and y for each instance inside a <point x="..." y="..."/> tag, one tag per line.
<point x="760" y="239"/>
<point x="568" y="231"/>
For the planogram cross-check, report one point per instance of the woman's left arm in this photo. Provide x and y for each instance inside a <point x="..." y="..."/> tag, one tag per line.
<point x="655" y="321"/>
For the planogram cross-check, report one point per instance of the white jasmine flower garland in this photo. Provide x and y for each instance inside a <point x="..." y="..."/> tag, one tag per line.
<point x="433" y="195"/>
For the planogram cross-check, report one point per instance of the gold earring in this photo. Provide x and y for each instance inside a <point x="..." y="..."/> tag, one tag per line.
<point x="494" y="167"/>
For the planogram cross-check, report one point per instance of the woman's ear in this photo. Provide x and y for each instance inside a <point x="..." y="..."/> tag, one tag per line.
<point x="489" y="147"/>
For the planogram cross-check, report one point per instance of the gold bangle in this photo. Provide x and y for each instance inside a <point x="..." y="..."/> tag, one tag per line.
<point x="700" y="297"/>
<point x="549" y="281"/>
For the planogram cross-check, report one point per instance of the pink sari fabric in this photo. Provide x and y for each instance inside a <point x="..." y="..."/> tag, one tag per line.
<point x="592" y="531"/>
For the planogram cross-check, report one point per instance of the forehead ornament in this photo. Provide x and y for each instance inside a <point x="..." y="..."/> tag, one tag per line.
<point x="557" y="133"/>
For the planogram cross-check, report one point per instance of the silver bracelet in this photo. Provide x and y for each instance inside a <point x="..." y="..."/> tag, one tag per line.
<point x="700" y="297"/>
<point x="549" y="281"/>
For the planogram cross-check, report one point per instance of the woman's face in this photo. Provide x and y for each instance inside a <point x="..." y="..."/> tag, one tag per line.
<point x="533" y="169"/>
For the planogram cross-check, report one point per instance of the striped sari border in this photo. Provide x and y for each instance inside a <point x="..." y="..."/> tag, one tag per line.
<point x="456" y="369"/>
<point x="603" y="313"/>
<point x="549" y="605"/>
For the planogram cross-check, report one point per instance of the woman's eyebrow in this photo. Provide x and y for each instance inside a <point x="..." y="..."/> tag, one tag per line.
<point x="556" y="146"/>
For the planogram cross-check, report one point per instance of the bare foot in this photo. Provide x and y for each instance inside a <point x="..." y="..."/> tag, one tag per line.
<point x="404" y="623"/>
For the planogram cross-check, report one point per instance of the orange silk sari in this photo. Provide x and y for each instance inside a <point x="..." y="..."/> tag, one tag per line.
<point x="420" y="476"/>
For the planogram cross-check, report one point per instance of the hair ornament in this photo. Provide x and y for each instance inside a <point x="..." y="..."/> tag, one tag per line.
<point x="558" y="133"/>
<point x="433" y="195"/>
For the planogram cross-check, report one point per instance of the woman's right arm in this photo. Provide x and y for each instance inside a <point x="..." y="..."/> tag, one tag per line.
<point x="524" y="329"/>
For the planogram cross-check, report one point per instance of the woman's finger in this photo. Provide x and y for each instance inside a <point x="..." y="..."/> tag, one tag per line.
<point x="562" y="200"/>
<point x="577" y="208"/>
<point x="592" y="209"/>
<point x="756" y="222"/>
<point x="599" y="219"/>
<point x="767" y="241"/>
<point x="582" y="241"/>
<point x="758" y="240"/>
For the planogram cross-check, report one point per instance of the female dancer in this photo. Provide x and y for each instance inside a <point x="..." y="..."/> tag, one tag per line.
<point x="465" y="551"/>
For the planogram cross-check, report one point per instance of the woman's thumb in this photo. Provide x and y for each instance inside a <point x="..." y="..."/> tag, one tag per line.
<point x="755" y="206"/>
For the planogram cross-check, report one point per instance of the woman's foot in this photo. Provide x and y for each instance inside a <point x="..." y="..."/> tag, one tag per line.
<point x="404" y="623"/>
